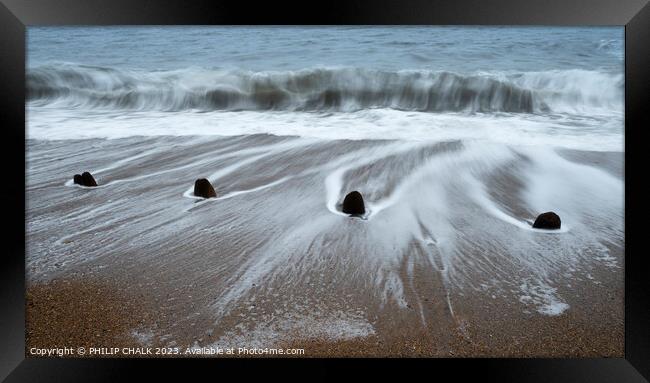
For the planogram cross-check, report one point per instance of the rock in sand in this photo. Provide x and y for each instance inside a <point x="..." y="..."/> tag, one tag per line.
<point x="88" y="179"/>
<point x="203" y="188"/>
<point x="548" y="220"/>
<point x="353" y="203"/>
<point x="85" y="179"/>
<point x="78" y="180"/>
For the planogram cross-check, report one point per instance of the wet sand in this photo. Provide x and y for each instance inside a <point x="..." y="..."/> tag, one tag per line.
<point x="432" y="272"/>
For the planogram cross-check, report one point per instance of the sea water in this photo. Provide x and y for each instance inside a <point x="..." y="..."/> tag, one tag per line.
<point x="550" y="86"/>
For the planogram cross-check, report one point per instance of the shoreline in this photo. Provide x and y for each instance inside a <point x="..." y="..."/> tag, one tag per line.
<point x="273" y="267"/>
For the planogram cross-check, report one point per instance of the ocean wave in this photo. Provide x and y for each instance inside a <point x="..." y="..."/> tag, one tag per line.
<point x="323" y="89"/>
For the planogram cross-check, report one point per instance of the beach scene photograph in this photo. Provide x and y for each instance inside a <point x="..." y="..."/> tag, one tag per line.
<point x="324" y="191"/>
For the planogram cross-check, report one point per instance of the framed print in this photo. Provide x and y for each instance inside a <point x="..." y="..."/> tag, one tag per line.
<point x="452" y="183"/>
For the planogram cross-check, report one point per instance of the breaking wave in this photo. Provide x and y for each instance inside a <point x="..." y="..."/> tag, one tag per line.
<point x="324" y="89"/>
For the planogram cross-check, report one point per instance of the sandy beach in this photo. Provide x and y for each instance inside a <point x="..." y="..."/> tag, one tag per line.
<point x="445" y="264"/>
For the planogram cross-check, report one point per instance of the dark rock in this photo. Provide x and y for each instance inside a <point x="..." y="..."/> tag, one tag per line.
<point x="548" y="220"/>
<point x="353" y="203"/>
<point x="203" y="188"/>
<point x="85" y="179"/>
<point x="88" y="179"/>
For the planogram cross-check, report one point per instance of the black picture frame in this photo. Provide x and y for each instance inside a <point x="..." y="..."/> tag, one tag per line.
<point x="16" y="15"/>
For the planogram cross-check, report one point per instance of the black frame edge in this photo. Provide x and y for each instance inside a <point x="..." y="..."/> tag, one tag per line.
<point x="467" y="12"/>
<point x="12" y="114"/>
<point x="635" y="14"/>
<point x="637" y="291"/>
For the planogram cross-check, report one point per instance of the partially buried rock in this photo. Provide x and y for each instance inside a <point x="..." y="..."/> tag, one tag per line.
<point x="353" y="203"/>
<point x="548" y="220"/>
<point x="85" y="179"/>
<point x="88" y="179"/>
<point x="203" y="188"/>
